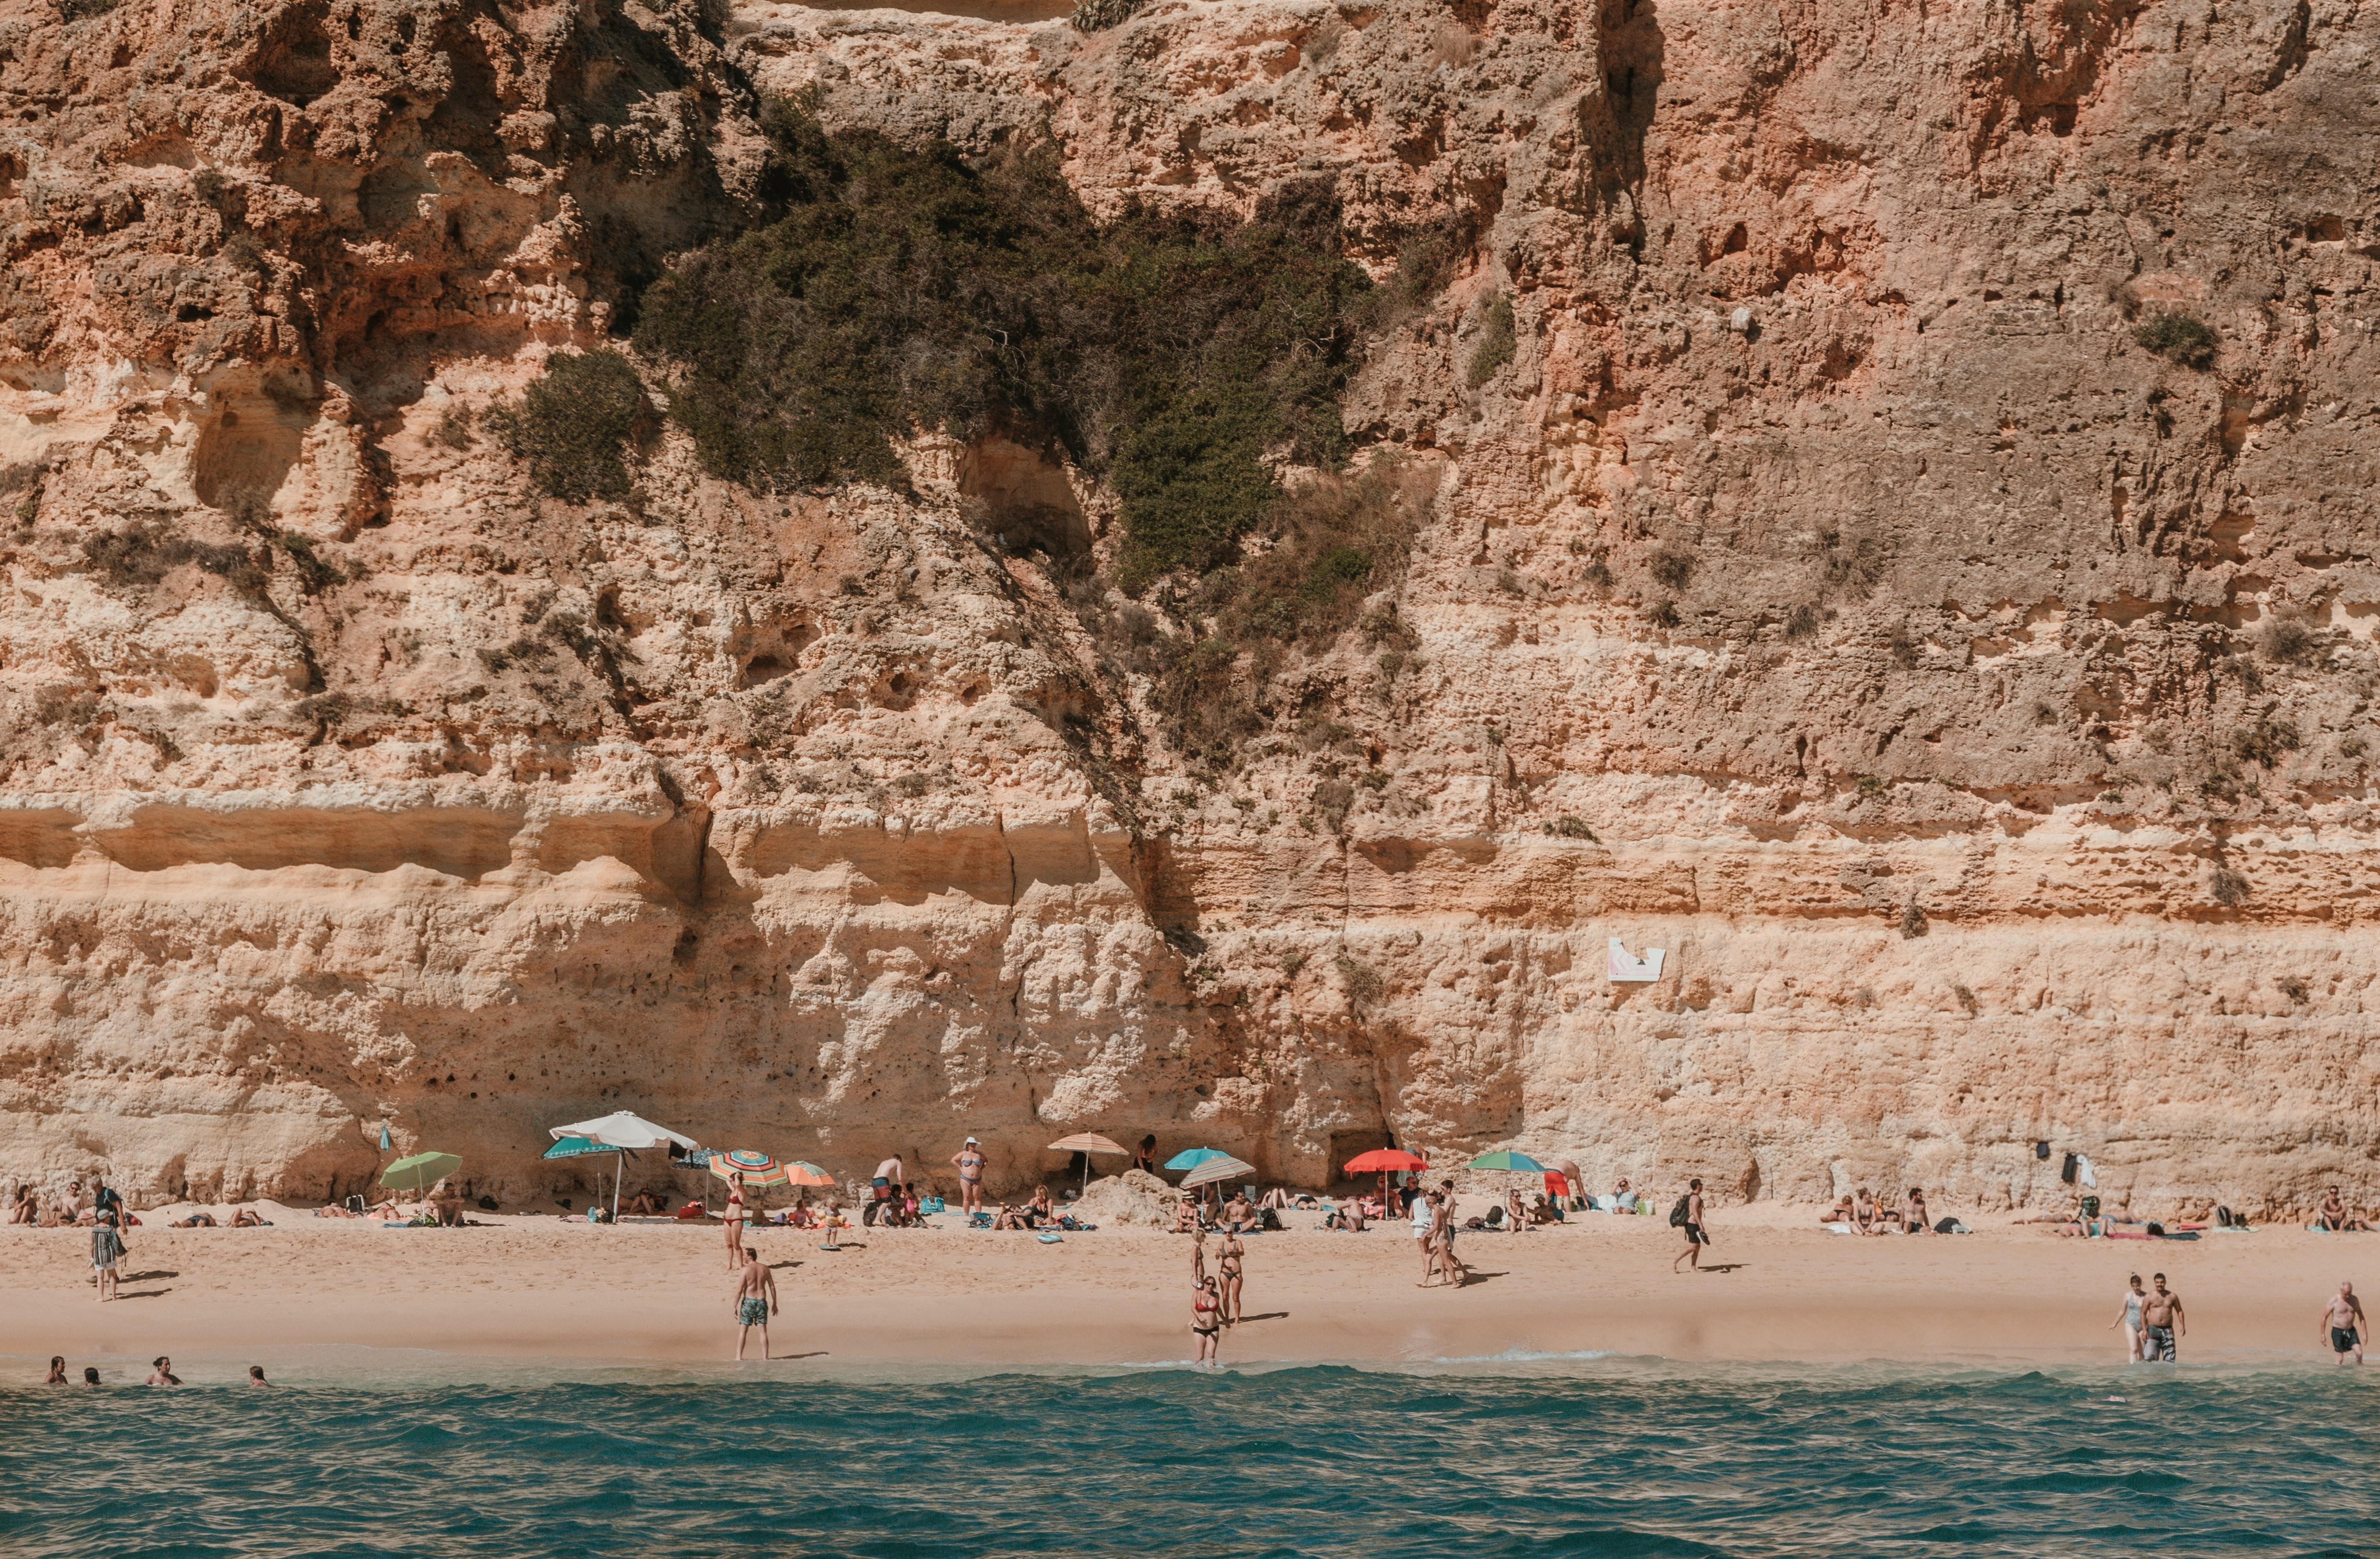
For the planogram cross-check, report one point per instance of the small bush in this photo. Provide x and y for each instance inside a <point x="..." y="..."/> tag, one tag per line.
<point x="1363" y="983"/>
<point x="2264" y="741"/>
<point x="1567" y="827"/>
<point x="1801" y="621"/>
<point x="84" y="10"/>
<point x="1095" y="16"/>
<point x="2183" y="338"/>
<point x="1292" y="961"/>
<point x="2227" y="888"/>
<point x="1903" y="646"/>
<point x="1664" y="613"/>
<point x="575" y="423"/>
<point x="1870" y="786"/>
<point x="2352" y="747"/>
<point x="1498" y="340"/>
<point x="453" y="427"/>
<point x="1967" y="1000"/>
<point x="2294" y="988"/>
<point x="1912" y="920"/>
<point x="2292" y="641"/>
<point x="1672" y="568"/>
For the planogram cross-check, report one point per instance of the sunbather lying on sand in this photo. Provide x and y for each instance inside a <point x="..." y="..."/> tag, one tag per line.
<point x="247" y="1217"/>
<point x="335" y="1211"/>
<point x="196" y="1220"/>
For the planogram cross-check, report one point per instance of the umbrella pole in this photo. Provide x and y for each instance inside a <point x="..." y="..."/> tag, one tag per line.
<point x="618" y="1160"/>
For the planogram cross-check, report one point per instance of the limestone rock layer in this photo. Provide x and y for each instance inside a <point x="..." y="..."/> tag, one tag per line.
<point x="1914" y="566"/>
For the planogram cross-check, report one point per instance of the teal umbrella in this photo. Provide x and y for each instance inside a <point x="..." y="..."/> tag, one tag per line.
<point x="1190" y="1158"/>
<point x="1517" y="1161"/>
<point x="579" y="1147"/>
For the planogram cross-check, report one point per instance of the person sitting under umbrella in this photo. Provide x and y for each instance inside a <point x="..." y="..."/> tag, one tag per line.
<point x="1237" y="1213"/>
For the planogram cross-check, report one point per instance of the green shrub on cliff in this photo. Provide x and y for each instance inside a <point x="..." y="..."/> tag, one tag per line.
<point x="895" y="289"/>
<point x="575" y="423"/>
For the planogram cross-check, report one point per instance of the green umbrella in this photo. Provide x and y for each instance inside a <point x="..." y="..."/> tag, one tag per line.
<point x="421" y="1168"/>
<point x="1519" y="1161"/>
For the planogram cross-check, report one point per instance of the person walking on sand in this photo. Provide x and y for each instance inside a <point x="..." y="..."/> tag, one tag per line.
<point x="1228" y="1257"/>
<point x="1425" y="1224"/>
<point x="733" y="1215"/>
<point x="2343" y="1319"/>
<point x="107" y="1254"/>
<point x="2128" y="1318"/>
<point x="1206" y="1321"/>
<point x="1690" y="1219"/>
<point x="969" y="1160"/>
<point x="755" y="1298"/>
<point x="2161" y="1321"/>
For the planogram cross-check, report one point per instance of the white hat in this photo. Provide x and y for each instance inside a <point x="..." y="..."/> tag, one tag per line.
<point x="973" y="1144"/>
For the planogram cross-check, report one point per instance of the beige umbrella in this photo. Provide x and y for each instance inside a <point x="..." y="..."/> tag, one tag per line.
<point x="1216" y="1169"/>
<point x="1087" y="1143"/>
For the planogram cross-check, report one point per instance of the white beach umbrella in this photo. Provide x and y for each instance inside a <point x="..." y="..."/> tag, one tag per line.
<point x="622" y="1129"/>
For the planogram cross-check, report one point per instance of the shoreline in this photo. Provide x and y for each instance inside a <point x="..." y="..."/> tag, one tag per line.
<point x="536" y="1290"/>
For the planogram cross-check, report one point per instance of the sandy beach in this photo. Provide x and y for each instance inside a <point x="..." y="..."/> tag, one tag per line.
<point x="538" y="1288"/>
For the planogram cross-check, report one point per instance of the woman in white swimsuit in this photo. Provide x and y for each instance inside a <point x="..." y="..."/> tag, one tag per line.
<point x="2128" y="1318"/>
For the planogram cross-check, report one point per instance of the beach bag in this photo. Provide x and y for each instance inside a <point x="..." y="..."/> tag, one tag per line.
<point x="2090" y="1206"/>
<point x="1678" y="1213"/>
<point x="931" y="1205"/>
<point x="1267" y="1218"/>
<point x="2072" y="1167"/>
<point x="2223" y="1217"/>
<point x="1949" y="1226"/>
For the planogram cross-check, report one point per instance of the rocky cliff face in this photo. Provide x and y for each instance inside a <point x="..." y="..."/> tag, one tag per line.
<point x="1899" y="539"/>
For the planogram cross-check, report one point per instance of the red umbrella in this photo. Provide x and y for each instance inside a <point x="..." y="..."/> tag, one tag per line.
<point x="1385" y="1162"/>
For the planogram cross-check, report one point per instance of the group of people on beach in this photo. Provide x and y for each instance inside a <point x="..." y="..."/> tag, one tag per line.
<point x="1862" y="1213"/>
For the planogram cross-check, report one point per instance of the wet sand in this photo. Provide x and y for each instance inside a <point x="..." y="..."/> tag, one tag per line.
<point x="534" y="1288"/>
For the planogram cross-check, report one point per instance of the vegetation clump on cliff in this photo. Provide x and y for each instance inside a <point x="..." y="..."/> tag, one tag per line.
<point x="902" y="289"/>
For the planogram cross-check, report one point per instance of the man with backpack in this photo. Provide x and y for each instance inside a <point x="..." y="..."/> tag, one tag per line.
<point x="1688" y="1216"/>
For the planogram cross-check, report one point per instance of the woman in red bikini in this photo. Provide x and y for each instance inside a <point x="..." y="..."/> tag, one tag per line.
<point x="735" y="1220"/>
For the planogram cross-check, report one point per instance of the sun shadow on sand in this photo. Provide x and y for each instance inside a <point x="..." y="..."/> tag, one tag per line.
<point x="146" y="1276"/>
<point x="144" y="1294"/>
<point x="1722" y="1266"/>
<point x="1269" y="1315"/>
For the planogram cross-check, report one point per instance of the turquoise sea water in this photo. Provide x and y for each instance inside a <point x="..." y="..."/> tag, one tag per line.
<point x="1580" y="1458"/>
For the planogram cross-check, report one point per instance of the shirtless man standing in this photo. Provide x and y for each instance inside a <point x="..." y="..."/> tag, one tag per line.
<point x="1695" y="1237"/>
<point x="2161" y="1323"/>
<point x="2343" y="1319"/>
<point x="969" y="1160"/>
<point x="755" y="1299"/>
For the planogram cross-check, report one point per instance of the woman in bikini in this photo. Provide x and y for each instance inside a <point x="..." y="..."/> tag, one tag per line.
<point x="1041" y="1210"/>
<point x="1205" y="1321"/>
<point x="733" y="1218"/>
<point x="1197" y="1258"/>
<point x="1227" y="1263"/>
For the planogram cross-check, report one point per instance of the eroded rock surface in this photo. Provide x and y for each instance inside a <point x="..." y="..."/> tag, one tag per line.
<point x="1830" y="589"/>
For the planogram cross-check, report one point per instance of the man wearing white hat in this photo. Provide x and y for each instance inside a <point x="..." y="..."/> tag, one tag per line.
<point x="969" y="1160"/>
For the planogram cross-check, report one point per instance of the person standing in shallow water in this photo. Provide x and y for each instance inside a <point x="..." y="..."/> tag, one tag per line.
<point x="1206" y="1321"/>
<point x="2161" y="1321"/>
<point x="1228" y="1257"/>
<point x="2128" y="1318"/>
<point x="2343" y="1317"/>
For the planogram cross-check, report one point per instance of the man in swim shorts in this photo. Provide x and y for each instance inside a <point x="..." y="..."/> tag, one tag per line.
<point x="1695" y="1237"/>
<point x="969" y="1160"/>
<point x="107" y="1252"/>
<point x="2343" y="1317"/>
<point x="2161" y="1323"/>
<point x="755" y="1299"/>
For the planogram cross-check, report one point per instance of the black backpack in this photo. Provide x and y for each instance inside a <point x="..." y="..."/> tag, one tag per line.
<point x="1678" y="1213"/>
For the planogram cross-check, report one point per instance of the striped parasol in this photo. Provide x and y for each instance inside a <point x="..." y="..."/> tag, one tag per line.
<point x="801" y="1172"/>
<point x="1223" y="1167"/>
<point x="758" y="1168"/>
